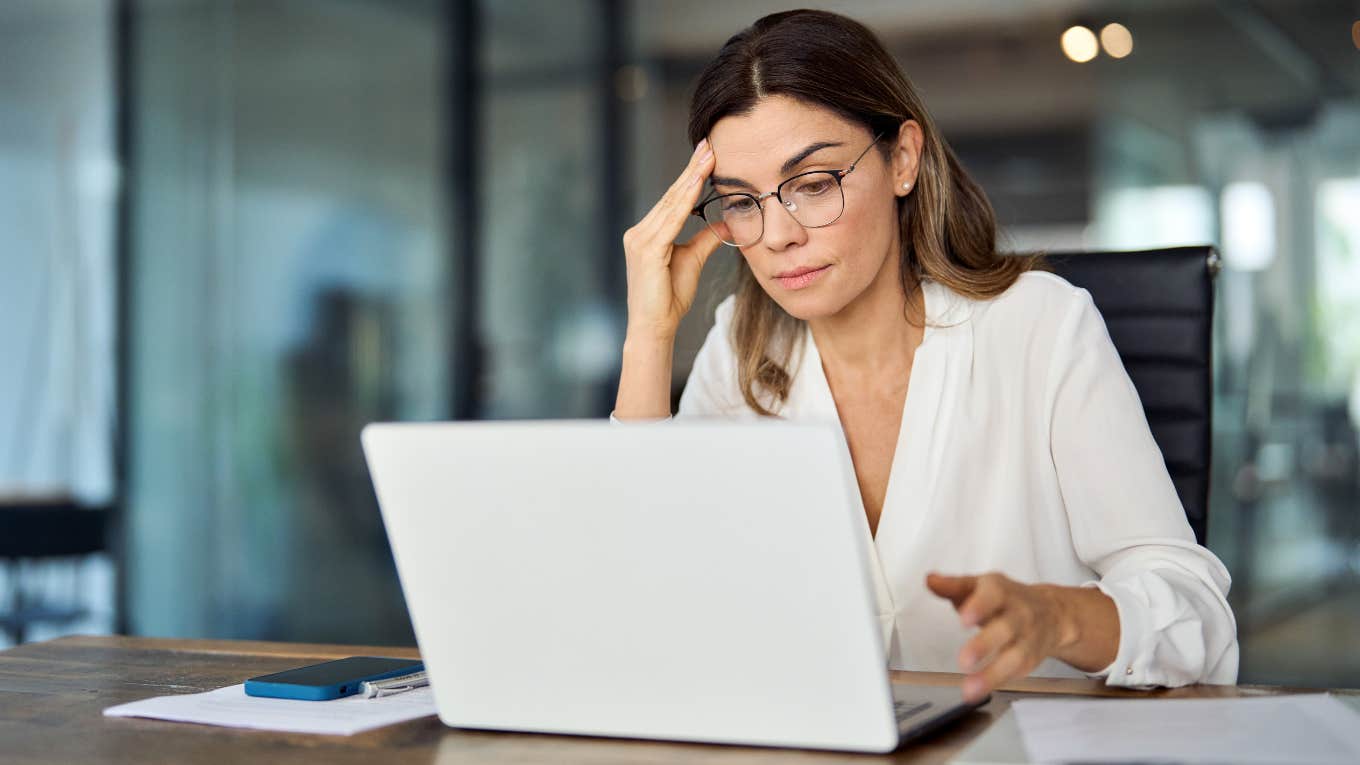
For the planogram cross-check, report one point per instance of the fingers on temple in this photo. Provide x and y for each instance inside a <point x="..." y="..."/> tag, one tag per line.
<point x="676" y="203"/>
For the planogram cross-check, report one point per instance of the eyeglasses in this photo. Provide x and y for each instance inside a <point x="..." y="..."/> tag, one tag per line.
<point x="814" y="199"/>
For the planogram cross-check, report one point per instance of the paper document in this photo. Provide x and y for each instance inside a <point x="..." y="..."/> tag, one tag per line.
<point x="1313" y="728"/>
<point x="231" y="707"/>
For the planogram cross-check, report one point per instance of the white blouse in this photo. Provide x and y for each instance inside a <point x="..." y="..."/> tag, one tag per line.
<point x="1023" y="449"/>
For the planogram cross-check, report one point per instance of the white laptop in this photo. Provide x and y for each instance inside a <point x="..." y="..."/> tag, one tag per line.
<point x="683" y="581"/>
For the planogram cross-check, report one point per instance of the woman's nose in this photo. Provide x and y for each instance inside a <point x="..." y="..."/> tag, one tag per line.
<point x="781" y="229"/>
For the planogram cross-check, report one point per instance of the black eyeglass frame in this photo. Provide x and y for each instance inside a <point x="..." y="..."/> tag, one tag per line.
<point x="839" y="175"/>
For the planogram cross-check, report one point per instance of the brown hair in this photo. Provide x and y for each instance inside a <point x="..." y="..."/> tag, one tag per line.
<point x="947" y="226"/>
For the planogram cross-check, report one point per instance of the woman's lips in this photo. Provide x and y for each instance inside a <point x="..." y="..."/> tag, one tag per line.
<point x="799" y="278"/>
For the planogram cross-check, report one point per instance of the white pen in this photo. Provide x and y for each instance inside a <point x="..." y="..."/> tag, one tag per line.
<point x="374" y="689"/>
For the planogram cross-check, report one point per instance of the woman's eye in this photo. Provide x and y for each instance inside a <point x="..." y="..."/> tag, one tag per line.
<point x="813" y="188"/>
<point x="739" y="205"/>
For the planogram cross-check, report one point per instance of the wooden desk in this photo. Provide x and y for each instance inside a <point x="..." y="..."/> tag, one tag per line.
<point x="52" y="696"/>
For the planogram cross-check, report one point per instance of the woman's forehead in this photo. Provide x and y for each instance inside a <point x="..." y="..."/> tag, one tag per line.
<point x="759" y="142"/>
<point x="779" y="120"/>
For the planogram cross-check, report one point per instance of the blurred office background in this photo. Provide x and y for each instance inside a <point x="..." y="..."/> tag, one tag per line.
<point x="233" y="232"/>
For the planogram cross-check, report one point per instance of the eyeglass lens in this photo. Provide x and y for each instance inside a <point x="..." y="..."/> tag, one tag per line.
<point x="813" y="199"/>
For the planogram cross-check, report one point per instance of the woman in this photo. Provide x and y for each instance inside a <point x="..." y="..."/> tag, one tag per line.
<point x="993" y="431"/>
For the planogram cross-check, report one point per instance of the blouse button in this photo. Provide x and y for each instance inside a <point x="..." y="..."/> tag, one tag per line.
<point x="1129" y="671"/>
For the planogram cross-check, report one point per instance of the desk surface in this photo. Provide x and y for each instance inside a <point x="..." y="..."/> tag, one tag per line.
<point x="52" y="696"/>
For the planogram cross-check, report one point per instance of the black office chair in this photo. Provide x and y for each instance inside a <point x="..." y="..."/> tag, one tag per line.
<point x="1159" y="307"/>
<point x="44" y="530"/>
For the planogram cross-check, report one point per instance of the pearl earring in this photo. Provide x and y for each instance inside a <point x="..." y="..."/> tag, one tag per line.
<point x="907" y="185"/>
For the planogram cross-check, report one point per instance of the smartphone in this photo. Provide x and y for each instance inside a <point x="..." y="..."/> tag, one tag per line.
<point x="331" y="679"/>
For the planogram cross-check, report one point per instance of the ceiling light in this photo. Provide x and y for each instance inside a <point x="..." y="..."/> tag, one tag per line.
<point x="1079" y="44"/>
<point x="1117" y="40"/>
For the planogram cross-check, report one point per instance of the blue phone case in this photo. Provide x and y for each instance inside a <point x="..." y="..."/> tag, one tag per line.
<point x="265" y="689"/>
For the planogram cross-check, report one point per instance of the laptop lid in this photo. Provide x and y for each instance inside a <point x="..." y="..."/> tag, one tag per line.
<point x="691" y="581"/>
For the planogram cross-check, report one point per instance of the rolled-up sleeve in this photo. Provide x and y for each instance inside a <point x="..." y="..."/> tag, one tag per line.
<point x="1128" y="524"/>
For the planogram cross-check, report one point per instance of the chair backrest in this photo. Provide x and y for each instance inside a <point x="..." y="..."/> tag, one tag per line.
<point x="1159" y="307"/>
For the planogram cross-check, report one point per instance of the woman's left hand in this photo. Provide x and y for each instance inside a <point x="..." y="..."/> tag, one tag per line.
<point x="1021" y="625"/>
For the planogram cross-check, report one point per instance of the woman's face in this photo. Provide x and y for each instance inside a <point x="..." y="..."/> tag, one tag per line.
<point x="814" y="273"/>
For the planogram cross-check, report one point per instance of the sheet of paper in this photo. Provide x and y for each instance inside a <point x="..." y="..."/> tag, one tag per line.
<point x="231" y="707"/>
<point x="1312" y="728"/>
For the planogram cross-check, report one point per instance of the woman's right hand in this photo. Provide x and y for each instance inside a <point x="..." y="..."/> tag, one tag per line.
<point x="663" y="275"/>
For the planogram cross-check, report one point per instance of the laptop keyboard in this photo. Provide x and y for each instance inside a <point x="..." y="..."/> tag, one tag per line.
<point x="905" y="710"/>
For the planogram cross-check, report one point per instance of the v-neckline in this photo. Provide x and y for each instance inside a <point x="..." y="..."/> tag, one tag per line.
<point x="824" y="383"/>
